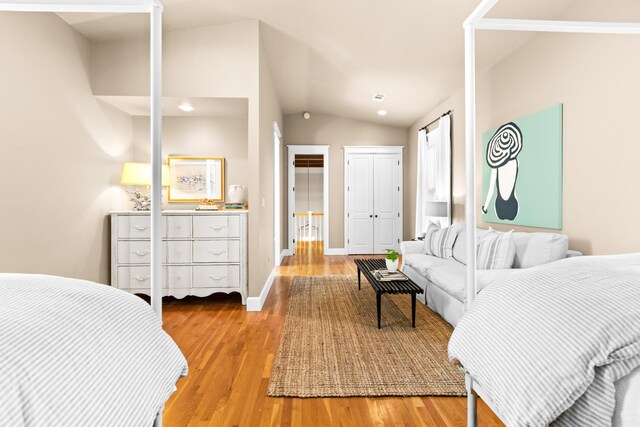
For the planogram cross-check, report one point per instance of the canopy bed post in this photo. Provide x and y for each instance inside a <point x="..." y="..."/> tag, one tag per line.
<point x="477" y="21"/>
<point x="156" y="160"/>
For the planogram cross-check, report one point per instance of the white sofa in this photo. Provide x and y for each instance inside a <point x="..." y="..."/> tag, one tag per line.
<point x="444" y="280"/>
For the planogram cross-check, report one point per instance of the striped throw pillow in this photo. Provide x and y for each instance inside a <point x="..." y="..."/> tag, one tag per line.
<point x="443" y="240"/>
<point x="496" y="251"/>
<point x="432" y="228"/>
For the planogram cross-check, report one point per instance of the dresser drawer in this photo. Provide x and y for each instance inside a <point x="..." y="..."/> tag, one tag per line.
<point x="178" y="277"/>
<point x="136" y="227"/>
<point x="178" y="226"/>
<point x="216" y="226"/>
<point x="216" y="251"/>
<point x="178" y="252"/>
<point x="134" y="252"/>
<point x="214" y="276"/>
<point x="134" y="277"/>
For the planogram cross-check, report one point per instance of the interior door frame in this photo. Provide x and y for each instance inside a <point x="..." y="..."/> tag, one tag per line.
<point x="277" y="194"/>
<point x="291" y="183"/>
<point x="382" y="149"/>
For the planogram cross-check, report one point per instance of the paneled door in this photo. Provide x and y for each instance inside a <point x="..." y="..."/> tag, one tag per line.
<point x="360" y="208"/>
<point x="386" y="202"/>
<point x="373" y="197"/>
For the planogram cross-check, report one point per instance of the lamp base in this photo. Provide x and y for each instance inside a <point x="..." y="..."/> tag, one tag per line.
<point x="141" y="202"/>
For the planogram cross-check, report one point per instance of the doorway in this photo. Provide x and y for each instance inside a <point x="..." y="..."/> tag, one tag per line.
<point x="308" y="198"/>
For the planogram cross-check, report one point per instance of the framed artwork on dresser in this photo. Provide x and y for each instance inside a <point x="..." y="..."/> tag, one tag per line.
<point x="194" y="178"/>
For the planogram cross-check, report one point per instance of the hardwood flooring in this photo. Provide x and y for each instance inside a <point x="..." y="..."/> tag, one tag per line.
<point x="230" y="353"/>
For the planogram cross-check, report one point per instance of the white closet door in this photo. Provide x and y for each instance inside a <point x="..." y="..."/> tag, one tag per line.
<point x="360" y="197"/>
<point x="386" y="201"/>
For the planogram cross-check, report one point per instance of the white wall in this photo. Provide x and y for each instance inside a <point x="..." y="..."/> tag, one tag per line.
<point x="62" y="152"/>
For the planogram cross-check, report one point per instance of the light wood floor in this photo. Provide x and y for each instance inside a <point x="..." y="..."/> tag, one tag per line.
<point x="230" y="353"/>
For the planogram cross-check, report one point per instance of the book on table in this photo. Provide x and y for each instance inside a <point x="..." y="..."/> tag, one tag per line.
<point x="387" y="276"/>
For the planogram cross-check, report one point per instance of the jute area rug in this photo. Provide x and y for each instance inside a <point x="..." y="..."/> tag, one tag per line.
<point x="331" y="345"/>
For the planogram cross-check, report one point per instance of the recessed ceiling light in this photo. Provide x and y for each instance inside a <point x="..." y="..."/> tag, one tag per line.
<point x="382" y="112"/>
<point x="187" y="108"/>
<point x="378" y="97"/>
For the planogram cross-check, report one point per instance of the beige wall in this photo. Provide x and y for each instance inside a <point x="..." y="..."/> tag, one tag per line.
<point x="213" y="61"/>
<point x="62" y="152"/>
<point x="198" y="136"/>
<point x="336" y="132"/>
<point x="269" y="112"/>
<point x="595" y="77"/>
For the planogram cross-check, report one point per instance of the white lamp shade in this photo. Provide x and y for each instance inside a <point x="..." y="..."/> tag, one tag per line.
<point x="436" y="209"/>
<point x="140" y="174"/>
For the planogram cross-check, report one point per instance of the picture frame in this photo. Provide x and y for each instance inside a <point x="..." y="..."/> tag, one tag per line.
<point x="194" y="178"/>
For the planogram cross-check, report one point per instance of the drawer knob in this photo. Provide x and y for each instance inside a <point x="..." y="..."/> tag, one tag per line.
<point x="216" y="277"/>
<point x="216" y="227"/>
<point x="141" y="228"/>
<point x="141" y="253"/>
<point x="141" y="278"/>
<point x="220" y="252"/>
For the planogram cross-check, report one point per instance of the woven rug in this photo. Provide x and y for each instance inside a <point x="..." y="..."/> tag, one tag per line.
<point x="331" y="345"/>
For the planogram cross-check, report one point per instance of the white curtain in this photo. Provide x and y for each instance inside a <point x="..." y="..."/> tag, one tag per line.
<point x="433" y="174"/>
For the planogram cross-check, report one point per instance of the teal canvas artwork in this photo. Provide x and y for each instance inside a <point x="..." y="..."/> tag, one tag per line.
<point x="522" y="171"/>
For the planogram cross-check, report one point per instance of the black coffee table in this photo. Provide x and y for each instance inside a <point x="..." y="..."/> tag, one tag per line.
<point x="367" y="265"/>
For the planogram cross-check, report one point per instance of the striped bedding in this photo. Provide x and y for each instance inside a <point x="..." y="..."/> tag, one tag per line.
<point x="548" y="343"/>
<point x="75" y="353"/>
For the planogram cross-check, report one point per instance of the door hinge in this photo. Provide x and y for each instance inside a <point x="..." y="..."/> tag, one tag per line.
<point x="398" y="240"/>
<point x="398" y="214"/>
<point x="347" y="215"/>
<point x="398" y="162"/>
<point x="293" y="215"/>
<point x="294" y="188"/>
<point x="398" y="188"/>
<point x="294" y="240"/>
<point x="348" y="240"/>
<point x="347" y="188"/>
<point x="347" y="162"/>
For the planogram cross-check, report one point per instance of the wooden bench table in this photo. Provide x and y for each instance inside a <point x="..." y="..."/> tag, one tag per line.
<point x="366" y="266"/>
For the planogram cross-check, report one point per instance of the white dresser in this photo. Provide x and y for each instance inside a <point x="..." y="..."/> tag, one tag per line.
<point x="203" y="252"/>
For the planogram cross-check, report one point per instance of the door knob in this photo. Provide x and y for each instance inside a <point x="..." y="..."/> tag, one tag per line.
<point x="370" y="216"/>
<point x="376" y="216"/>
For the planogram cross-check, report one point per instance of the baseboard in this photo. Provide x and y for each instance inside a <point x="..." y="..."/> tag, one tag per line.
<point x="285" y="252"/>
<point x="256" y="303"/>
<point x="335" y="251"/>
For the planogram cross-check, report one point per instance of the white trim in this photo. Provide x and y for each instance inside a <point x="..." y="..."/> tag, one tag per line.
<point x="382" y="149"/>
<point x="557" y="26"/>
<point x="277" y="193"/>
<point x="307" y="149"/>
<point x="336" y="251"/>
<point x="284" y="253"/>
<point x="470" y="138"/>
<point x="256" y="303"/>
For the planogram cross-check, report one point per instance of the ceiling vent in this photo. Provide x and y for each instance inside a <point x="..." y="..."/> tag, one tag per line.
<point x="378" y="97"/>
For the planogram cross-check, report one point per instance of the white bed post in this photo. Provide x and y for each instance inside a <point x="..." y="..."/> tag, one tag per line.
<point x="470" y="130"/>
<point x="156" y="160"/>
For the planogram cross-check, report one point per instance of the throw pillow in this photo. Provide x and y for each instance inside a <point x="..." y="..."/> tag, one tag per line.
<point x="496" y="251"/>
<point x="432" y="228"/>
<point x="443" y="240"/>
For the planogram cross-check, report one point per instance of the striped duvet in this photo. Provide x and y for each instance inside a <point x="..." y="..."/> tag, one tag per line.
<point x="548" y="343"/>
<point x="75" y="353"/>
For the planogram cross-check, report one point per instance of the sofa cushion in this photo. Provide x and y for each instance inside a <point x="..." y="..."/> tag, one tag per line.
<point x="460" y="246"/>
<point x="496" y="251"/>
<point x="432" y="229"/>
<point x="534" y="249"/>
<point x="421" y="262"/>
<point x="443" y="241"/>
<point x="452" y="278"/>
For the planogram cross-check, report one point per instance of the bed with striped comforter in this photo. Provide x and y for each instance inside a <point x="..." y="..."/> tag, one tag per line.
<point x="548" y="343"/>
<point x="76" y="353"/>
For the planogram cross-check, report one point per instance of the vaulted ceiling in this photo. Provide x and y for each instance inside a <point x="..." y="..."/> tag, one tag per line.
<point x="333" y="56"/>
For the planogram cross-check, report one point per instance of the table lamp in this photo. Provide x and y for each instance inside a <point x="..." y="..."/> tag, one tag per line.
<point x="140" y="174"/>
